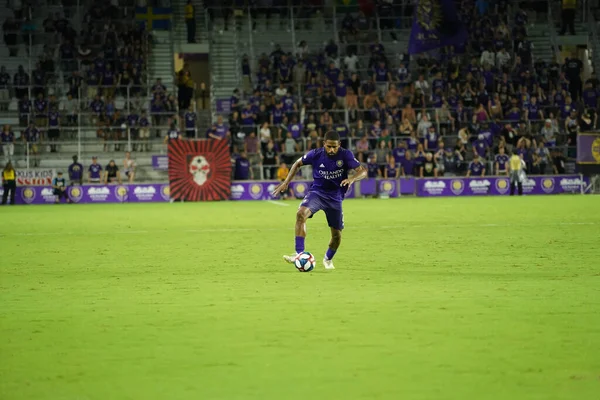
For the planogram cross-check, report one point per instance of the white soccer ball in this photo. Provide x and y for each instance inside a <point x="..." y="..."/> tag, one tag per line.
<point x="304" y="262"/>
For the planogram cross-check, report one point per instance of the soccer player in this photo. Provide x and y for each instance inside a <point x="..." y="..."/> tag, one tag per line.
<point x="330" y="164"/>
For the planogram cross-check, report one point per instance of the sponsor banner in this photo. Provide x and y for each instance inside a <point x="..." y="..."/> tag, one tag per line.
<point x="160" y="163"/>
<point x="131" y="193"/>
<point x="35" y="177"/>
<point x="390" y="187"/>
<point x="498" y="186"/>
<point x="588" y="148"/>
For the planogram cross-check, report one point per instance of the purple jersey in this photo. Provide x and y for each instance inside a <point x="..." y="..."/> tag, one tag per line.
<point x="132" y="120"/>
<point x="341" y="89"/>
<point x="75" y="171"/>
<point x="221" y="130"/>
<point x="95" y="170"/>
<point x="476" y="168"/>
<point x="408" y="166"/>
<point x="480" y="146"/>
<point x="399" y="154"/>
<point x="242" y="169"/>
<point x="590" y="98"/>
<point x="330" y="171"/>
<point x="190" y="120"/>
<point x="502" y="160"/>
<point x="277" y="116"/>
<point x="53" y="119"/>
<point x="342" y="130"/>
<point x="296" y="130"/>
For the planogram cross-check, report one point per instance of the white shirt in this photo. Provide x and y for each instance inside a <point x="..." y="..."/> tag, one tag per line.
<point x="265" y="135"/>
<point x="423" y="85"/>
<point x="351" y="62"/>
<point x="280" y="92"/>
<point x="502" y="59"/>
<point x="488" y="57"/>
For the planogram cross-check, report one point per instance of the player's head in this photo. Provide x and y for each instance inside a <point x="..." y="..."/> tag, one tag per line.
<point x="332" y="143"/>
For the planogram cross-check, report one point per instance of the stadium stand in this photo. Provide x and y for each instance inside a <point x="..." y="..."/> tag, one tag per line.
<point x="347" y="68"/>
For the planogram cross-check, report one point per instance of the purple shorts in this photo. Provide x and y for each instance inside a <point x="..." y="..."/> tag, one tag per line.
<point x="332" y="209"/>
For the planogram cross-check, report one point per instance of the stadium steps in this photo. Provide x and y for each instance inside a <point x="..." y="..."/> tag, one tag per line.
<point x="162" y="62"/>
<point x="180" y="31"/>
<point x="225" y="63"/>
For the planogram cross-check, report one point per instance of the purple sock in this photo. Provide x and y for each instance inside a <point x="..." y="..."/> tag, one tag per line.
<point x="330" y="253"/>
<point x="299" y="244"/>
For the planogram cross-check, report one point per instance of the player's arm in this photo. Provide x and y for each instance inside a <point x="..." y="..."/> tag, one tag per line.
<point x="282" y="187"/>
<point x="360" y="172"/>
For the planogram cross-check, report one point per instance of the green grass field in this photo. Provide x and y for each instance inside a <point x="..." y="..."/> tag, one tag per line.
<point x="467" y="298"/>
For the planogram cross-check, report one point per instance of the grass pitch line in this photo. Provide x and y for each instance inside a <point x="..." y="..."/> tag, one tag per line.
<point x="278" y="203"/>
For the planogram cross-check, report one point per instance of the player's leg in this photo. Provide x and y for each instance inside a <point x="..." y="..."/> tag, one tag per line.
<point x="310" y="205"/>
<point x="335" y="220"/>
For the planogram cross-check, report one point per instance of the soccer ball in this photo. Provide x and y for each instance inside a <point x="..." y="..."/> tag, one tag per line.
<point x="305" y="262"/>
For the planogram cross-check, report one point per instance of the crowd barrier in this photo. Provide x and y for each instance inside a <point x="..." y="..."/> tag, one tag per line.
<point x="261" y="190"/>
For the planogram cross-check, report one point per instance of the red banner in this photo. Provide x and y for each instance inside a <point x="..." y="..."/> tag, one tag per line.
<point x="199" y="170"/>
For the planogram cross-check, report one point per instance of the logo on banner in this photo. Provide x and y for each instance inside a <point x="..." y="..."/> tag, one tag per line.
<point x="457" y="186"/>
<point x="144" y="193"/>
<point x="237" y="191"/>
<point x="570" y="184"/>
<point x="596" y="149"/>
<point x="300" y="189"/>
<point x="199" y="170"/>
<point x="28" y="195"/>
<point x="479" y="186"/>
<point x="256" y="190"/>
<point x="386" y="187"/>
<point x="165" y="192"/>
<point x="548" y="185"/>
<point x="502" y="185"/>
<point x="434" y="187"/>
<point x="98" y="193"/>
<point x="121" y="193"/>
<point x="528" y="185"/>
<point x="48" y="195"/>
<point x="75" y="193"/>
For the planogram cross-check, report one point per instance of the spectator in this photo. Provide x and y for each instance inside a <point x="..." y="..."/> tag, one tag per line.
<point x="129" y="167"/>
<point x="190" y="21"/>
<point x="391" y="169"/>
<point x="4" y="89"/>
<point x="270" y="160"/>
<point x="10" y="29"/>
<point x="59" y="188"/>
<point x="32" y="138"/>
<point x="75" y="173"/>
<point x="94" y="171"/>
<point x="501" y="163"/>
<point x="568" y="16"/>
<point x="7" y="138"/>
<point x="112" y="173"/>
<point x="9" y="183"/>
<point x="429" y="168"/>
<point x="282" y="173"/>
<point x="476" y="168"/>
<point x="408" y="164"/>
<point x="242" y="169"/>
<point x="373" y="168"/>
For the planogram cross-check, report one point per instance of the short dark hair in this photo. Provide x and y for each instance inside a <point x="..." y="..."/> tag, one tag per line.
<point x="332" y="135"/>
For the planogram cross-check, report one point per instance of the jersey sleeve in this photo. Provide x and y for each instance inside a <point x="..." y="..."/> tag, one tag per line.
<point x="353" y="163"/>
<point x="308" y="158"/>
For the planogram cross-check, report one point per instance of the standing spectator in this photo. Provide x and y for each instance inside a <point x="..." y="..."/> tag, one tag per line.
<point x="4" y="89"/>
<point x="75" y="173"/>
<point x="501" y="162"/>
<point x="568" y="16"/>
<point x="270" y="161"/>
<point x="53" y="128"/>
<point x="10" y="29"/>
<point x="190" y="122"/>
<point x="7" y="137"/>
<point x="391" y="169"/>
<point x="9" y="183"/>
<point x="59" y="186"/>
<point x="282" y="173"/>
<point x="558" y="162"/>
<point x="242" y="170"/>
<point x="190" y="21"/>
<point x="94" y="171"/>
<point x="32" y="138"/>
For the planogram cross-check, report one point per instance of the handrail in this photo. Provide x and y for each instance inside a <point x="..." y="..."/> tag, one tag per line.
<point x="552" y="27"/>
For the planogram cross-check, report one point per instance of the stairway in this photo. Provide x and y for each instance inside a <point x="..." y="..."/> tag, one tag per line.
<point x="225" y="63"/>
<point x="180" y="29"/>
<point x="161" y="63"/>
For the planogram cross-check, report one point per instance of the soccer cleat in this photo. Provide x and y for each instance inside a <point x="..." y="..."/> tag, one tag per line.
<point x="290" y="259"/>
<point x="328" y="264"/>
